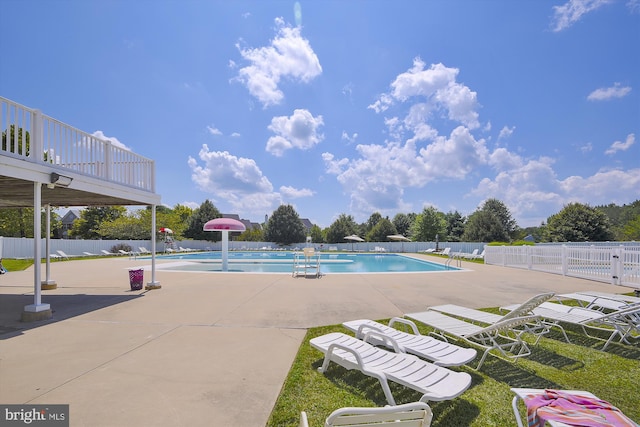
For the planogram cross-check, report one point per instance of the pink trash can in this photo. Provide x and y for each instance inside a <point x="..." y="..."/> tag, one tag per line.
<point x="136" y="278"/>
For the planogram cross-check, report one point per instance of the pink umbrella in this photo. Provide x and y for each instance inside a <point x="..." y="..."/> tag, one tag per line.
<point x="224" y="225"/>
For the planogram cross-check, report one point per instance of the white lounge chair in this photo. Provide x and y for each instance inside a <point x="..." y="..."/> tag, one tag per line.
<point x="524" y="393"/>
<point x="105" y="252"/>
<point x="434" y="382"/>
<point x="538" y="329"/>
<point x="504" y="336"/>
<point x="594" y="302"/>
<point x="623" y="323"/>
<point x="144" y="250"/>
<point x="438" y="352"/>
<point x="617" y="297"/>
<point x="89" y="253"/>
<point x="63" y="255"/>
<point x="416" y="414"/>
<point x="472" y="255"/>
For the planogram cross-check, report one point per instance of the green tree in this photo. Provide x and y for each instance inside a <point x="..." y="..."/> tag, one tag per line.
<point x="577" y="222"/>
<point x="18" y="222"/>
<point x="371" y="222"/>
<point x="316" y="234"/>
<point x="13" y="140"/>
<point x="206" y="212"/>
<point x="87" y="226"/>
<point x="128" y="226"/>
<point x="484" y="226"/>
<point x="345" y="225"/>
<point x="403" y="223"/>
<point x="285" y="227"/>
<point x="455" y="226"/>
<point x="631" y="230"/>
<point x="501" y="211"/>
<point x="251" y="235"/>
<point x="381" y="230"/>
<point x="428" y="224"/>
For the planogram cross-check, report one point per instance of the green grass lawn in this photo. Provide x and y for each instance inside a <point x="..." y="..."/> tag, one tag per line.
<point x="612" y="375"/>
<point x="16" y="264"/>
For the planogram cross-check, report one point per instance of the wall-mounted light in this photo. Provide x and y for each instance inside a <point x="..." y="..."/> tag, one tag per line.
<point x="59" y="180"/>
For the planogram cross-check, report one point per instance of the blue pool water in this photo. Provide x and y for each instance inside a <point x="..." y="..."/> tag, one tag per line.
<point x="282" y="262"/>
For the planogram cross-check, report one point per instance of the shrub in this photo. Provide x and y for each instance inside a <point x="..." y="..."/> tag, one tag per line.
<point x="125" y="247"/>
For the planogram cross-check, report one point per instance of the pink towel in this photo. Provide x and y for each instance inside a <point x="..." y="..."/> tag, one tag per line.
<point x="574" y="410"/>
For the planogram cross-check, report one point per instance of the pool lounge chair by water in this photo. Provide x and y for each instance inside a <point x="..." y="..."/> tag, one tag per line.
<point x="434" y="382"/>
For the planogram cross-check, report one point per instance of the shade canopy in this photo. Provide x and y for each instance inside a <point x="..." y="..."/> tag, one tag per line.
<point x="354" y="238"/>
<point x="220" y="224"/>
<point x="398" y="237"/>
<point x="165" y="230"/>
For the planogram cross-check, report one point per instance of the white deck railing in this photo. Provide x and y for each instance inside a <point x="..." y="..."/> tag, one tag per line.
<point x="32" y="136"/>
<point x="619" y="265"/>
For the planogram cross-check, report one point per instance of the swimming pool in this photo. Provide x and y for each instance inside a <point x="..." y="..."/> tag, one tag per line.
<point x="282" y="262"/>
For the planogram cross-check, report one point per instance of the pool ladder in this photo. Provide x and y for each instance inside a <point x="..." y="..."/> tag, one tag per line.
<point x="454" y="257"/>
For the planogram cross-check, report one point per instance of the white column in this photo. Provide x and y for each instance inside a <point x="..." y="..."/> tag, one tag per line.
<point x="48" y="283"/>
<point x="153" y="284"/>
<point x="37" y="305"/>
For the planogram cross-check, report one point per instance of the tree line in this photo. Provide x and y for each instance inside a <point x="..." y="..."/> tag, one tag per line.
<point x="491" y="222"/>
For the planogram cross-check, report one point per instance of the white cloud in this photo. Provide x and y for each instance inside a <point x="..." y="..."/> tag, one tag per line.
<point x="289" y="55"/>
<point x="621" y="146"/>
<point x="235" y="135"/>
<point x="295" y="193"/>
<point x="114" y="141"/>
<point x="506" y="132"/>
<point x="349" y="138"/>
<point x="588" y="147"/>
<point x="438" y="88"/>
<point x="377" y="179"/>
<point x="607" y="93"/>
<point x="572" y="11"/>
<point x="532" y="188"/>
<point x="192" y="205"/>
<point x="213" y="130"/>
<point x="301" y="131"/>
<point x="236" y="180"/>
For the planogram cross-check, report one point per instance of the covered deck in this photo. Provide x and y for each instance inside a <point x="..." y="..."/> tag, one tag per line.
<point x="46" y="163"/>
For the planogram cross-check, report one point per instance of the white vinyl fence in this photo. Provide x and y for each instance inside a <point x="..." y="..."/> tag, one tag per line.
<point x="23" y="248"/>
<point x="615" y="264"/>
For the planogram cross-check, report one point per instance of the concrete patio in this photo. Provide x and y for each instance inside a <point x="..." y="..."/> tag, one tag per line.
<point x="208" y="348"/>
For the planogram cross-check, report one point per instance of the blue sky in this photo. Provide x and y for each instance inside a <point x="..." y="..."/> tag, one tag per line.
<point x="347" y="107"/>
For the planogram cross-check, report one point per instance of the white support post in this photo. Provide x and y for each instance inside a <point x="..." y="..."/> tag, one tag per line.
<point x="153" y="284"/>
<point x="48" y="283"/>
<point x="37" y="310"/>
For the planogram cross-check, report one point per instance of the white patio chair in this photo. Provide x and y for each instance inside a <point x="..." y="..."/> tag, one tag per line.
<point x="434" y="382"/>
<point x="592" y="416"/>
<point x="623" y="323"/>
<point x="504" y="336"/>
<point x="437" y="351"/>
<point x="416" y="414"/>
<point x="538" y="329"/>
